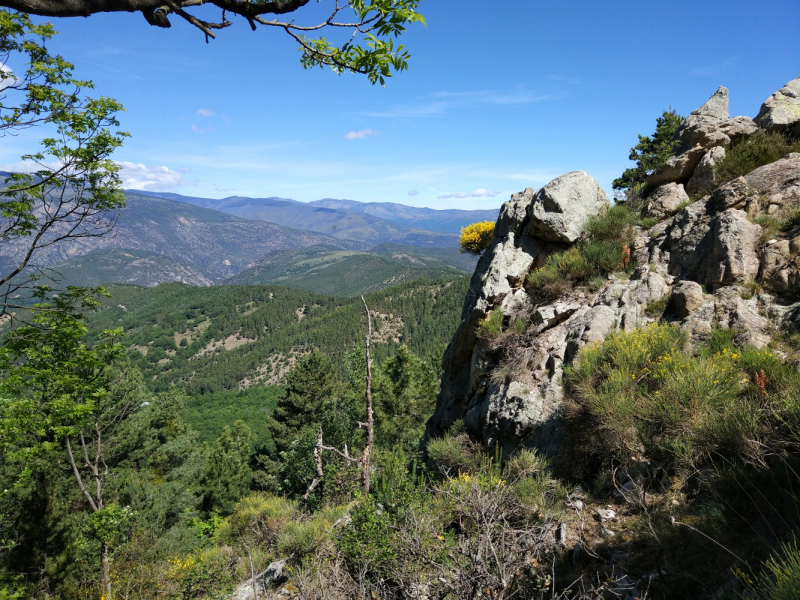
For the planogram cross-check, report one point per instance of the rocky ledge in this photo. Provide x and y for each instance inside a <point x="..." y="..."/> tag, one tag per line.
<point x="701" y="261"/>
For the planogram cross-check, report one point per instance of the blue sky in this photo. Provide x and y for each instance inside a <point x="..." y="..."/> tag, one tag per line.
<point x="493" y="102"/>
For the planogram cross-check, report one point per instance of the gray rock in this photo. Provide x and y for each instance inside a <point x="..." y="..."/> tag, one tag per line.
<point x="665" y="200"/>
<point x="781" y="110"/>
<point x="731" y="311"/>
<point x="605" y="514"/>
<point x="732" y="194"/>
<point x="560" y="209"/>
<point x="714" y="111"/>
<point x="735" y="249"/>
<point x="678" y="168"/>
<point x="687" y="297"/>
<point x="271" y="576"/>
<point x="702" y="180"/>
<point x="517" y="303"/>
<point x="513" y="213"/>
<point x="775" y="188"/>
<point x="714" y="250"/>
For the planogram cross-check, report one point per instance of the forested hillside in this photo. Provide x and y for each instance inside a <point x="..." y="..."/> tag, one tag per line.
<point x="329" y="270"/>
<point x="230" y="337"/>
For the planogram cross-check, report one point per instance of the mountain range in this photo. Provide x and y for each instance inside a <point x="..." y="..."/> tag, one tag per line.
<point x="328" y="246"/>
<point x="368" y="222"/>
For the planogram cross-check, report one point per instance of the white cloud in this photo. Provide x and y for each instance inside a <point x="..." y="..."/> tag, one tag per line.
<point x="479" y="193"/>
<point x="155" y="179"/>
<point x="359" y="135"/>
<point x="413" y="193"/>
<point x="197" y="129"/>
<point x="441" y="102"/>
<point x="713" y="70"/>
<point x="8" y="77"/>
<point x="205" y="112"/>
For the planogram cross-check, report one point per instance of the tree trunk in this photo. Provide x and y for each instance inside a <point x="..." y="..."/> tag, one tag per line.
<point x="105" y="575"/>
<point x="370" y="425"/>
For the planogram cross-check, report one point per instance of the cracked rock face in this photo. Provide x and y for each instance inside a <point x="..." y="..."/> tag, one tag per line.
<point x="701" y="259"/>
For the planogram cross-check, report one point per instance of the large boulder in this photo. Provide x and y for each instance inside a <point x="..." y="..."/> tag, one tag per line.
<point x="702" y="180"/>
<point x="560" y="209"/>
<point x="260" y="585"/>
<point x="665" y="200"/>
<point x="781" y="111"/>
<point x="687" y="297"/>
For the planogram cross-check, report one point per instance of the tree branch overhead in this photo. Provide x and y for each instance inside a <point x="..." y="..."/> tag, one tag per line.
<point x="368" y="50"/>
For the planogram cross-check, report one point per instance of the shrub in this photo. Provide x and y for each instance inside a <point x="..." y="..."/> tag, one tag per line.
<point x="642" y="393"/>
<point x="792" y="219"/>
<point x="604" y="252"/>
<point x="615" y="225"/>
<point x="258" y="517"/>
<point x="780" y="578"/>
<point x="492" y="325"/>
<point x="477" y="237"/>
<point x="751" y="152"/>
<point x="656" y="308"/>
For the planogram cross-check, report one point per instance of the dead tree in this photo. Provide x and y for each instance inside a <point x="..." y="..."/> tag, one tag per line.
<point x="369" y="426"/>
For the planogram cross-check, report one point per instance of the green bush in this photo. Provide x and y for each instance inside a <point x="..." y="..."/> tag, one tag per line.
<point x="601" y="254"/>
<point x="492" y="325"/>
<point x="751" y="152"/>
<point x="644" y="393"/>
<point x="780" y="579"/>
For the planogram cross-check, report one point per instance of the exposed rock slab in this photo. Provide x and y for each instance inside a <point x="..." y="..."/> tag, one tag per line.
<point x="703" y="257"/>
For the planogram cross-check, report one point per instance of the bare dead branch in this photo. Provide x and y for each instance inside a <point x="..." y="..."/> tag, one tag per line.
<point x="370" y="424"/>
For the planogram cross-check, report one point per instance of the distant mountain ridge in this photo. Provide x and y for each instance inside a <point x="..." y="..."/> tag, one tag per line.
<point x="440" y="220"/>
<point x="370" y="222"/>
<point x="163" y="237"/>
<point x="219" y="244"/>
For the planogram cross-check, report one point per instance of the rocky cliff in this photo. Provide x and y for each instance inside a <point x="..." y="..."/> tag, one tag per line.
<point x="706" y="260"/>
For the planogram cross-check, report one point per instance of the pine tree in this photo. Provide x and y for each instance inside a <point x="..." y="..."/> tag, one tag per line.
<point x="309" y="385"/>
<point x="650" y="153"/>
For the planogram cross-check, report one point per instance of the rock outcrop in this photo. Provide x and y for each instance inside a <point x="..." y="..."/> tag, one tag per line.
<point x="781" y="111"/>
<point x="700" y="262"/>
<point x="706" y="128"/>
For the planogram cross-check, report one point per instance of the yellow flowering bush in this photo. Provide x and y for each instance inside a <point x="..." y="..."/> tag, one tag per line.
<point x="477" y="237"/>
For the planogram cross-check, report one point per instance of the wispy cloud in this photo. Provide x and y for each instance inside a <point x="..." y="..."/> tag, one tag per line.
<point x="439" y="103"/>
<point x="479" y="193"/>
<point x="141" y="177"/>
<point x="197" y="129"/>
<point x="359" y="135"/>
<point x="712" y="70"/>
<point x="413" y="193"/>
<point x="115" y="70"/>
<point x="205" y="112"/>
